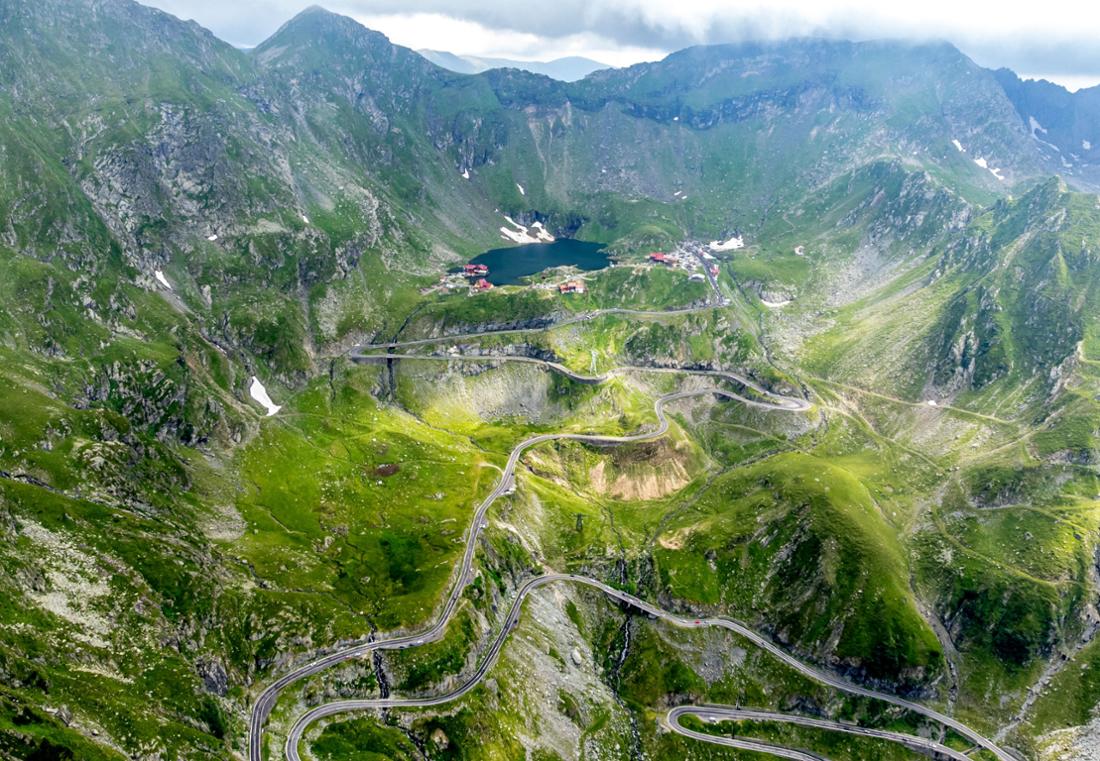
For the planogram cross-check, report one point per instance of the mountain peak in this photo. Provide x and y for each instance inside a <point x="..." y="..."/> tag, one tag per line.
<point x="317" y="22"/>
<point x="326" y="34"/>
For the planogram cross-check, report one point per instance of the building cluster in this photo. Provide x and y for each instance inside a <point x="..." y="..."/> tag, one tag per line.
<point x="472" y="278"/>
<point x="685" y="259"/>
<point x="678" y="259"/>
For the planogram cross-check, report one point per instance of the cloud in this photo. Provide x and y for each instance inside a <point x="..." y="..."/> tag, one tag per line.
<point x="436" y="31"/>
<point x="1056" y="37"/>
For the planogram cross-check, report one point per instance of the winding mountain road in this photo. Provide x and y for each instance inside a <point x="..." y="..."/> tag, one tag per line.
<point x="777" y="401"/>
<point x="550" y="325"/>
<point x="266" y="700"/>
<point x="724" y="713"/>
<point x="464" y="575"/>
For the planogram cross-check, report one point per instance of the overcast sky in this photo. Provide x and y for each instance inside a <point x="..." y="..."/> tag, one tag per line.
<point x="1055" y="39"/>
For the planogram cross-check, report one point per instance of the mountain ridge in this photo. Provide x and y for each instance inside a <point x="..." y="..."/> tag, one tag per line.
<point x="872" y="227"/>
<point x="566" y="69"/>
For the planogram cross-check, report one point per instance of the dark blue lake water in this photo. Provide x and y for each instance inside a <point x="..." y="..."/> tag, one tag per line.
<point x="508" y="266"/>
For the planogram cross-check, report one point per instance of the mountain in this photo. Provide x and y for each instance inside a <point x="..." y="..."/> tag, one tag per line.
<point x="567" y="69"/>
<point x="184" y="225"/>
<point x="455" y="63"/>
<point x="1062" y="123"/>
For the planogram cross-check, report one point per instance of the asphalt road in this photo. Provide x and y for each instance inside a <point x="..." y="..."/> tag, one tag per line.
<point x="725" y="713"/>
<point x="548" y="326"/>
<point x="346" y="706"/>
<point x="464" y="575"/>
<point x="754" y="745"/>
<point x="777" y="401"/>
<point x="266" y="700"/>
<point x="711" y="278"/>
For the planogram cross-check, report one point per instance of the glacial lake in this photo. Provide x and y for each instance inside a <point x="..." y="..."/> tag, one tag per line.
<point x="508" y="266"/>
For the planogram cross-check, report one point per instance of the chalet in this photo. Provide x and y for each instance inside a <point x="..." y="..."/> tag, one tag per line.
<point x="483" y="285"/>
<point x="660" y="258"/>
<point x="476" y="270"/>
<point x="573" y="286"/>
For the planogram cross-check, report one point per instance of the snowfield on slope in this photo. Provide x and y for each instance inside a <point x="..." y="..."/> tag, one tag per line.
<point x="985" y="165"/>
<point x="518" y="233"/>
<point x="259" y="393"/>
<point x="732" y="244"/>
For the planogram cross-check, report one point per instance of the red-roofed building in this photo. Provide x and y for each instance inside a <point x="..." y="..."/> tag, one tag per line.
<point x="483" y="285"/>
<point x="659" y="258"/>
<point x="573" y="286"/>
<point x="476" y="270"/>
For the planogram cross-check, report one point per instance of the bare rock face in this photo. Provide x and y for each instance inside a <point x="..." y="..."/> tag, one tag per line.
<point x="33" y="578"/>
<point x="214" y="677"/>
<point x="154" y="401"/>
<point x="9" y="526"/>
<point x="1074" y="743"/>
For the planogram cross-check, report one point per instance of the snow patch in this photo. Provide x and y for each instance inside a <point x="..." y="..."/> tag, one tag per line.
<point x="732" y="244"/>
<point x="958" y="145"/>
<point x="541" y="233"/>
<point x="465" y="174"/>
<point x="211" y="238"/>
<point x="985" y="165"/>
<point x="305" y="219"/>
<point x="519" y="187"/>
<point x="1036" y="128"/>
<point x="163" y="280"/>
<point x="259" y="393"/>
<point x="518" y="233"/>
<point x="775" y="304"/>
<point x="931" y="403"/>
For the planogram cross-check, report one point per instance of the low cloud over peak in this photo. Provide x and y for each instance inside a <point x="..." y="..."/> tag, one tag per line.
<point x="1054" y="39"/>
